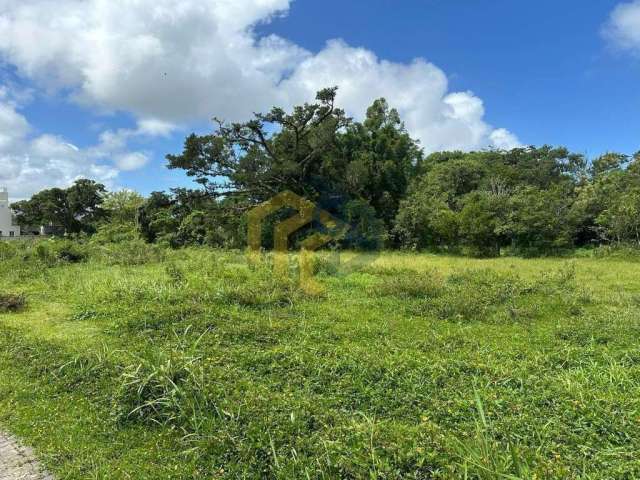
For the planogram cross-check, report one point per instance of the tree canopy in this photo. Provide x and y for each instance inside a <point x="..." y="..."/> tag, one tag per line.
<point x="374" y="176"/>
<point x="76" y="209"/>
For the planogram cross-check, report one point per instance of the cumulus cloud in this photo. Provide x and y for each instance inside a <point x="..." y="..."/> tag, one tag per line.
<point x="503" y="139"/>
<point x="166" y="59"/>
<point x="170" y="62"/>
<point x="31" y="162"/>
<point x="419" y="90"/>
<point x="623" y="27"/>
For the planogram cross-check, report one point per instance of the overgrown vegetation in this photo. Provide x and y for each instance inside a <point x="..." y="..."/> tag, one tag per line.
<point x="373" y="176"/>
<point x="193" y="363"/>
<point x="129" y="348"/>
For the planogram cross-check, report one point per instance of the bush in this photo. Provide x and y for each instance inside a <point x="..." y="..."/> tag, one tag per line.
<point x="481" y="294"/>
<point x="8" y="250"/>
<point x="52" y="252"/>
<point x="325" y="263"/>
<point x="71" y="254"/>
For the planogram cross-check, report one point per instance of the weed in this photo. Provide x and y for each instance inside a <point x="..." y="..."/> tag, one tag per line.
<point x="164" y="388"/>
<point x="484" y="457"/>
<point x="370" y="380"/>
<point x="412" y="284"/>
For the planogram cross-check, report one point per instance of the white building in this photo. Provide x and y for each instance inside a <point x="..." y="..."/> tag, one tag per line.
<point x="7" y="229"/>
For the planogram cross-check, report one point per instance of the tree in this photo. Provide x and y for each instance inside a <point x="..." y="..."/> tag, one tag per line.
<point x="426" y="221"/>
<point x="271" y="153"/>
<point x="607" y="163"/>
<point x="315" y="151"/>
<point x="620" y="222"/>
<point x="540" y="220"/>
<point x="481" y="223"/>
<point x="152" y="216"/>
<point x="380" y="158"/>
<point x="486" y="200"/>
<point x="191" y="217"/>
<point x="122" y="206"/>
<point x="76" y="209"/>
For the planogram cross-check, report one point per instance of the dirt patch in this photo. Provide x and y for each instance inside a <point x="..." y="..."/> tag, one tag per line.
<point x="18" y="462"/>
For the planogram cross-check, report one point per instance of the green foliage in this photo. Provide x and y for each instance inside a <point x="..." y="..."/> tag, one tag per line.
<point x="245" y="160"/>
<point x="115" y="232"/>
<point x="163" y="387"/>
<point x="481" y="295"/>
<point x="75" y="209"/>
<point x="358" y="170"/>
<point x="122" y="206"/>
<point x="379" y="160"/>
<point x="620" y="222"/>
<point x="480" y="222"/>
<point x="540" y="220"/>
<point x="529" y="201"/>
<point x="366" y="230"/>
<point x="189" y="217"/>
<point x="53" y="252"/>
<point x="486" y="457"/>
<point x="197" y="365"/>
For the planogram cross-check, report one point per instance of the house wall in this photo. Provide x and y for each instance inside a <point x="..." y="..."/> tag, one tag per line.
<point x="7" y="229"/>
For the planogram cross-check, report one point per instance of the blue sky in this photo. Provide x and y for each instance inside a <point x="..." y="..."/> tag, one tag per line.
<point x="542" y="68"/>
<point x="112" y="87"/>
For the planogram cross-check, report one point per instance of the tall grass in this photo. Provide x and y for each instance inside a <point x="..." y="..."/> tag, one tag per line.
<point x="195" y="364"/>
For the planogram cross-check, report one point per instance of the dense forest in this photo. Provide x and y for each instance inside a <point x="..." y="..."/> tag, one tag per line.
<point x="373" y="176"/>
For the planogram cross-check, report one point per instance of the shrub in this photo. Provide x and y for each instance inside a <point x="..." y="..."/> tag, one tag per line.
<point x="175" y="274"/>
<point x="481" y="294"/>
<point x="71" y="254"/>
<point x="8" y="250"/>
<point x="53" y="252"/>
<point x="261" y="292"/>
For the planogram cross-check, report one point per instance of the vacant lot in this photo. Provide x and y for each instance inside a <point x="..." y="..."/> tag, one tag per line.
<point x="134" y="362"/>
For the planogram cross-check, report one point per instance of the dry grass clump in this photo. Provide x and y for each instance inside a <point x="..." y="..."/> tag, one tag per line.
<point x="12" y="302"/>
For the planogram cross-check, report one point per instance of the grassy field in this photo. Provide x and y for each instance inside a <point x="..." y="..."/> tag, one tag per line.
<point x="137" y="363"/>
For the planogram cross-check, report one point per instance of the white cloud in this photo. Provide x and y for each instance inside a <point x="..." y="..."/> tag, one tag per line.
<point x="173" y="61"/>
<point x="31" y="163"/>
<point x="503" y="139"/>
<point x="166" y="59"/>
<point x="153" y="127"/>
<point x="623" y="26"/>
<point x="131" y="161"/>
<point x="440" y="120"/>
<point x="113" y="143"/>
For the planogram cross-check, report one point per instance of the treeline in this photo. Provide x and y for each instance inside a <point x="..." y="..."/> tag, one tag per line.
<point x="375" y="177"/>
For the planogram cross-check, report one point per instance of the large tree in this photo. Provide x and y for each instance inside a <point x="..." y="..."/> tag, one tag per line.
<point x="270" y="153"/>
<point x="379" y="160"/>
<point x="492" y="199"/>
<point x="76" y="209"/>
<point x="351" y="169"/>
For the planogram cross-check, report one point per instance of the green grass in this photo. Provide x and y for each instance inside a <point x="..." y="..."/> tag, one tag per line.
<point x="132" y="362"/>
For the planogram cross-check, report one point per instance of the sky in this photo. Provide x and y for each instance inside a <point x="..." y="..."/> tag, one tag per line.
<point x="104" y="89"/>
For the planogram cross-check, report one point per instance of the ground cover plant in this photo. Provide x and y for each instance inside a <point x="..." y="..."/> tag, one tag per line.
<point x="131" y="360"/>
